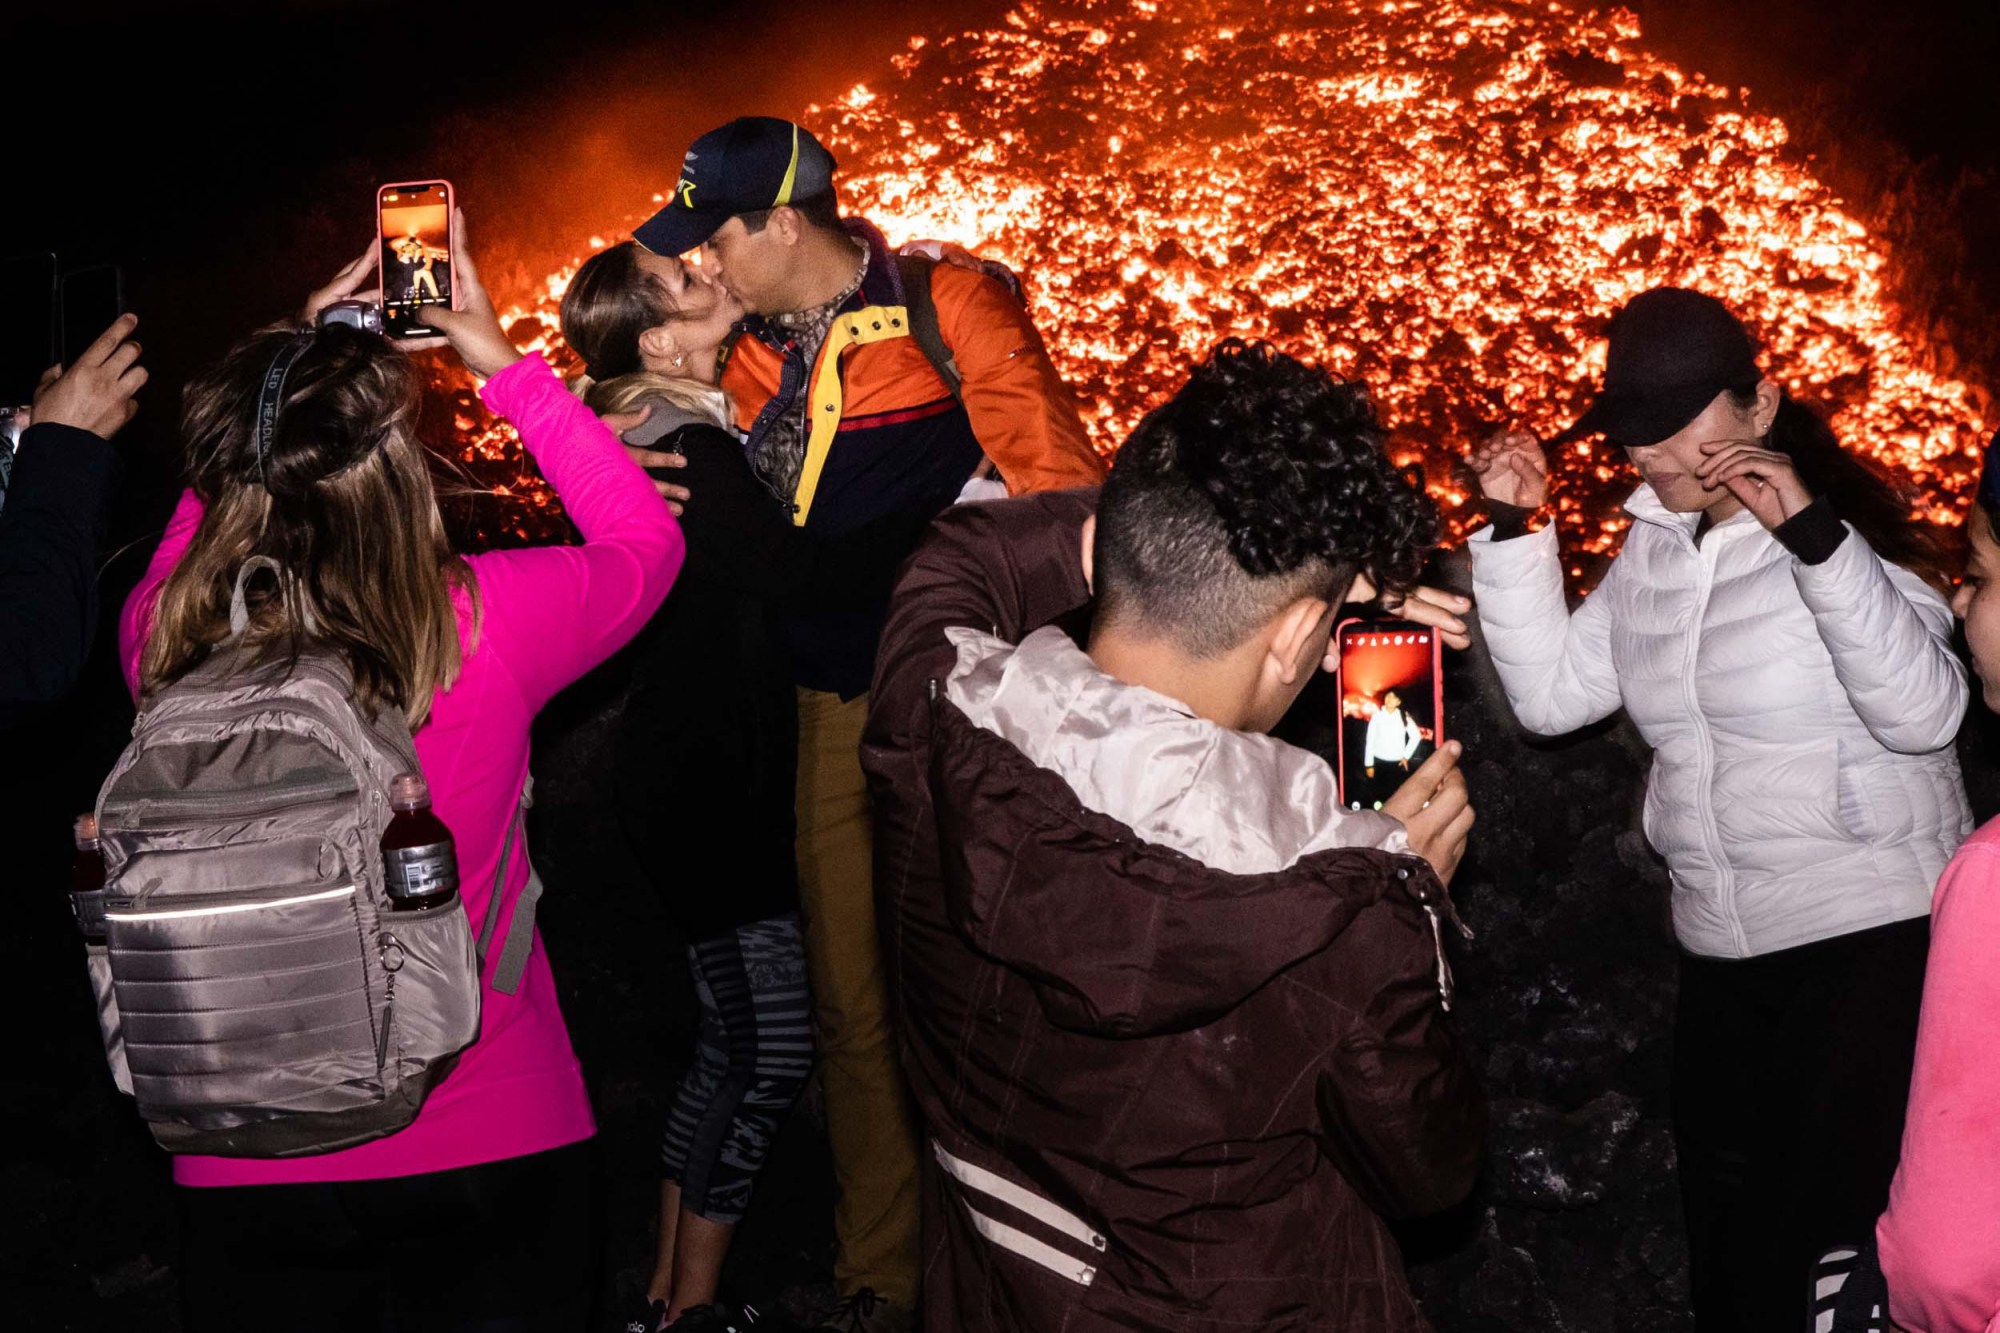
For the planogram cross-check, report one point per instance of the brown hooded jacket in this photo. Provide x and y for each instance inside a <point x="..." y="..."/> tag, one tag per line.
<point x="1158" y="1095"/>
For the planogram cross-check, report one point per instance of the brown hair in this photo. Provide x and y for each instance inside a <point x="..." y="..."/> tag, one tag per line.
<point x="606" y="307"/>
<point x="1880" y="509"/>
<point x="342" y="503"/>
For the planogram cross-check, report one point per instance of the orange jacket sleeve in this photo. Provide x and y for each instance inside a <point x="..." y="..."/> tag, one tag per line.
<point x="1022" y="412"/>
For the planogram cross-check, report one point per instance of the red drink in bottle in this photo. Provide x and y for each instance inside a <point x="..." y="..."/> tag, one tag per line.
<point x="419" y="859"/>
<point x="87" y="880"/>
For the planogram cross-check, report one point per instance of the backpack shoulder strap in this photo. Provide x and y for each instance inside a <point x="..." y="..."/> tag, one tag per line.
<point x="520" y="933"/>
<point x="915" y="271"/>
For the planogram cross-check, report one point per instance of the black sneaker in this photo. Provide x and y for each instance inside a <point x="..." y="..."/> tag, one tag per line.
<point x="645" y="1318"/>
<point x="1849" y="1294"/>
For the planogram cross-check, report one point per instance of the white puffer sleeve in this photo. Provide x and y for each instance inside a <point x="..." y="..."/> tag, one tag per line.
<point x="1555" y="666"/>
<point x="1890" y="636"/>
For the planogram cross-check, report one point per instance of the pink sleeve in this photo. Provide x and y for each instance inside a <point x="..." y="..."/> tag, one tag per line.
<point x="551" y="613"/>
<point x="135" y="623"/>
<point x="1938" y="1238"/>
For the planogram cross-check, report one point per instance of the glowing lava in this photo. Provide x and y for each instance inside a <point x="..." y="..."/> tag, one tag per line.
<point x="1443" y="199"/>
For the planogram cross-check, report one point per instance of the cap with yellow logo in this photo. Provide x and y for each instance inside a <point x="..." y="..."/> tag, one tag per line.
<point x="748" y="165"/>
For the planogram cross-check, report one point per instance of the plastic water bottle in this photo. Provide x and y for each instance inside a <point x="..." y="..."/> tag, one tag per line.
<point x="87" y="882"/>
<point x="419" y="859"/>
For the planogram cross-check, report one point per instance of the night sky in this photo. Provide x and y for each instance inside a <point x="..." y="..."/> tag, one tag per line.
<point x="129" y="120"/>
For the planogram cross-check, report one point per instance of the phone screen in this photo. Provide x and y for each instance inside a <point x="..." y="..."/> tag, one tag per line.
<point x="27" y="325"/>
<point x="416" y="254"/>
<point x="1391" y="706"/>
<point x="92" y="298"/>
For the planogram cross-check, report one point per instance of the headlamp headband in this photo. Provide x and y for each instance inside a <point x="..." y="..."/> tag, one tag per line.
<point x="271" y="397"/>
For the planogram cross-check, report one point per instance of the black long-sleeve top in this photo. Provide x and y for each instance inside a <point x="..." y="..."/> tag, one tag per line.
<point x="54" y="517"/>
<point x="708" y="753"/>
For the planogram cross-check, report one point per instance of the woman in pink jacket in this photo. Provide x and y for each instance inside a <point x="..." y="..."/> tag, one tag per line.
<point x="1940" y="1238"/>
<point x="475" y="1215"/>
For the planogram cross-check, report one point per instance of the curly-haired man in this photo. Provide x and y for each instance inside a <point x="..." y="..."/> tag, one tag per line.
<point x="1174" y="1018"/>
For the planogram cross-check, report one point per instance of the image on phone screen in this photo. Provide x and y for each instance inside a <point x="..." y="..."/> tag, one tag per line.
<point x="1391" y="707"/>
<point x="92" y="299"/>
<point x="416" y="254"/>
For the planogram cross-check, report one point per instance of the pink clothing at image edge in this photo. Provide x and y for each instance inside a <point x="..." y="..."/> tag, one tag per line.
<point x="1940" y="1238"/>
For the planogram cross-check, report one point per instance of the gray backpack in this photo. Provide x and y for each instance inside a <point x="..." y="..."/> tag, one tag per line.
<point x="258" y="996"/>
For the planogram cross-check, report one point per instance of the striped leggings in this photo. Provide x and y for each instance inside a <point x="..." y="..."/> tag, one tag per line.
<point x="752" y="1056"/>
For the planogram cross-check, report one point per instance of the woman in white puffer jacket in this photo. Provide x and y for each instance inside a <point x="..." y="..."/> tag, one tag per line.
<point x="1795" y="676"/>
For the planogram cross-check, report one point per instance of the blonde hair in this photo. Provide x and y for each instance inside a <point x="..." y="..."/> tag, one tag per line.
<point x="626" y="393"/>
<point x="342" y="503"/>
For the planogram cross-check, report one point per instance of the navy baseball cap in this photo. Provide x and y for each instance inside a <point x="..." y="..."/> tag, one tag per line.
<point x="748" y="165"/>
<point x="1672" y="351"/>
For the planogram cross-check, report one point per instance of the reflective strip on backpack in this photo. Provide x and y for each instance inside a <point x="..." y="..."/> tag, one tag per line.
<point x="178" y="913"/>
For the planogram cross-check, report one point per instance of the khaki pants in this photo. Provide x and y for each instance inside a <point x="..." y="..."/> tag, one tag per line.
<point x="869" y="1118"/>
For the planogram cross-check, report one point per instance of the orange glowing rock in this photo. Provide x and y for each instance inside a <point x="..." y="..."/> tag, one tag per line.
<point x="1445" y="199"/>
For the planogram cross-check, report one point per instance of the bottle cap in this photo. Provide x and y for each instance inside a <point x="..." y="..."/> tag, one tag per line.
<point x="86" y="829"/>
<point x="409" y="791"/>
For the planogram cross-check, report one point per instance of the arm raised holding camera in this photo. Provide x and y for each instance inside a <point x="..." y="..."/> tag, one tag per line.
<point x="54" y="517"/>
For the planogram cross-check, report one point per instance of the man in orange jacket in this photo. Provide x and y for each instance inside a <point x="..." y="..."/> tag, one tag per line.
<point x="849" y="418"/>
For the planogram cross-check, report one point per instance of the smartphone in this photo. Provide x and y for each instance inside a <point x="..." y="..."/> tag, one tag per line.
<point x="27" y="325"/>
<point x="1391" y="706"/>
<point x="91" y="299"/>
<point x="413" y="235"/>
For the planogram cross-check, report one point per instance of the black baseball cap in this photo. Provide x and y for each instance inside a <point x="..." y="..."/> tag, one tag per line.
<point x="748" y="165"/>
<point x="1672" y="351"/>
<point x="1989" y="476"/>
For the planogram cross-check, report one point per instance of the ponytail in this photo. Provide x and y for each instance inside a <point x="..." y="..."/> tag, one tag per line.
<point x="1879" y="509"/>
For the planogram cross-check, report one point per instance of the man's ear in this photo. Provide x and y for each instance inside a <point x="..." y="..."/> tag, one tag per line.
<point x="1090" y="554"/>
<point x="784" y="220"/>
<point x="1294" y="638"/>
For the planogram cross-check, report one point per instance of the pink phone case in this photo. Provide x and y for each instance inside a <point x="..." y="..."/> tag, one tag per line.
<point x="450" y="203"/>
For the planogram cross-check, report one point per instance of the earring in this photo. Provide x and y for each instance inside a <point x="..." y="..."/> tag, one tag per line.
<point x="680" y="359"/>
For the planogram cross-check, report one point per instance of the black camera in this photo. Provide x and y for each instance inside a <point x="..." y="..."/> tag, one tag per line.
<point x="363" y="315"/>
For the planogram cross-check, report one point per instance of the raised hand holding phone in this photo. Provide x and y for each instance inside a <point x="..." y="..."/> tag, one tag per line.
<point x="1434" y="607"/>
<point x="1435" y="807"/>
<point x="346" y="285"/>
<point x="97" y="393"/>
<point x="473" y="328"/>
